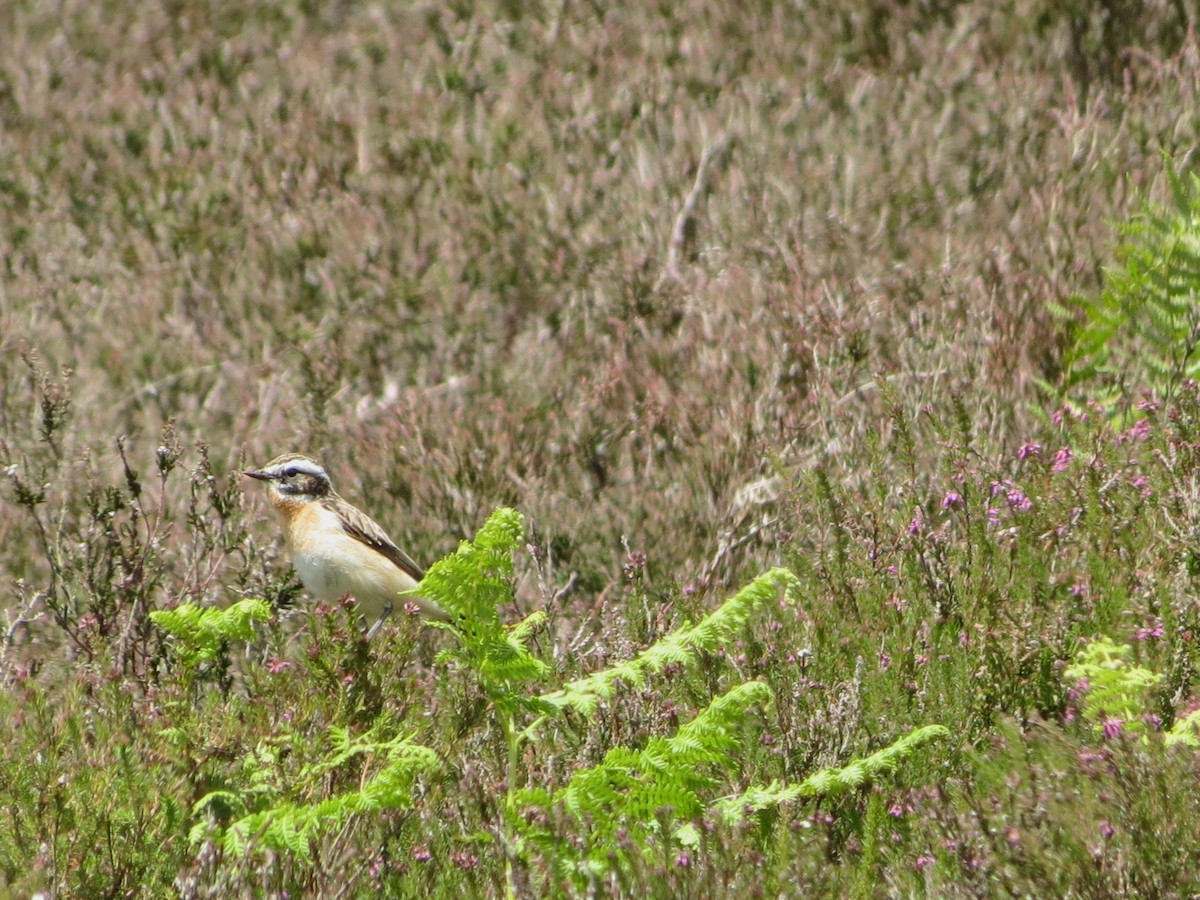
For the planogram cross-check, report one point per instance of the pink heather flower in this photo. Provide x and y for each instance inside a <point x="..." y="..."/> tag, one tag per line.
<point x="1139" y="432"/>
<point x="1061" y="414"/>
<point x="1106" y="830"/>
<point x="464" y="860"/>
<point x="1016" y="499"/>
<point x="884" y="660"/>
<point x="952" y="500"/>
<point x="1148" y="405"/>
<point x="1028" y="449"/>
<point x="993" y="516"/>
<point x="896" y="810"/>
<point x="421" y="853"/>
<point x="1062" y="459"/>
<point x="1150" y="633"/>
<point x="1080" y="689"/>
<point x="924" y="861"/>
<point x="275" y="666"/>
<point x="914" y="526"/>
<point x="1142" y="483"/>
<point x="683" y="860"/>
<point x="1113" y="728"/>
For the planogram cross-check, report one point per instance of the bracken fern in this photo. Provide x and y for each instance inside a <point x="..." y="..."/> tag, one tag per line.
<point x="830" y="781"/>
<point x="1144" y="328"/>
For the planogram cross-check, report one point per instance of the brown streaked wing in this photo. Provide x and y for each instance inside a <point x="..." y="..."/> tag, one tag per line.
<point x="362" y="527"/>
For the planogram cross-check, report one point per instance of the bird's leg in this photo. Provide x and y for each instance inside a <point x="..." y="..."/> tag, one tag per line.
<point x="379" y="622"/>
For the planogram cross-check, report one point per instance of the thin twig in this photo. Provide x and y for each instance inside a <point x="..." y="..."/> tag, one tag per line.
<point x="683" y="234"/>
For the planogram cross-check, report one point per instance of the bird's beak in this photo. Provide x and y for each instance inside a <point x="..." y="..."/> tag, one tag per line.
<point x="257" y="473"/>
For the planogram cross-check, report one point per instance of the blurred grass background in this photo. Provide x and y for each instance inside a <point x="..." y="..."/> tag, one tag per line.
<point x="686" y="283"/>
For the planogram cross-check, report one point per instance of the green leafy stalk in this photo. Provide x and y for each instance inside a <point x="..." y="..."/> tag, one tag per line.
<point x="1144" y="328"/>
<point x="290" y="826"/>
<point x="202" y="632"/>
<point x="829" y="782"/>
<point x="633" y="792"/>
<point x="474" y="584"/>
<point x="684" y="646"/>
<point x="1115" y="689"/>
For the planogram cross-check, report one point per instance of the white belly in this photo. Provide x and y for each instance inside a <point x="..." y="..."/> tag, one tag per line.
<point x="333" y="564"/>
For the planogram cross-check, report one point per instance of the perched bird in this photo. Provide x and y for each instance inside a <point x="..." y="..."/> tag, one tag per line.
<point x="338" y="549"/>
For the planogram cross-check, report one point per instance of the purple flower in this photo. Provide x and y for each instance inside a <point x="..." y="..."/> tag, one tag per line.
<point x="421" y="853"/>
<point x="1062" y="459"/>
<point x="1139" y="432"/>
<point x="1016" y="499"/>
<point x="683" y="860"/>
<point x="1028" y="449"/>
<point x="1151" y="632"/>
<point x="884" y="660"/>
<point x="275" y="666"/>
<point x="1106" y="830"/>
<point x="952" y="500"/>
<point x="914" y="526"/>
<point x="924" y="861"/>
<point x="1113" y="728"/>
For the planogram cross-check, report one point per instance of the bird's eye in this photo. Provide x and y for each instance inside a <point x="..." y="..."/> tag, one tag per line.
<point x="291" y="472"/>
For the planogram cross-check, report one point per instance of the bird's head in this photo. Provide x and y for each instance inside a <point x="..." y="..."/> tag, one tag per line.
<point x="294" y="478"/>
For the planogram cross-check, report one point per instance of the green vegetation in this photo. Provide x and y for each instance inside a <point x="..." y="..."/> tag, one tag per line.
<point x="797" y="407"/>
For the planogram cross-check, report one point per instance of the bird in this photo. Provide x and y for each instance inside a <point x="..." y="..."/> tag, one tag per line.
<point x="336" y="548"/>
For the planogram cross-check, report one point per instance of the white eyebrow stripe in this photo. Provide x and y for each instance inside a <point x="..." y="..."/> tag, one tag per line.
<point x="302" y="465"/>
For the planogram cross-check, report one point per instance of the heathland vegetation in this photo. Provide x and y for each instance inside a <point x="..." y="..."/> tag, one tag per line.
<point x="797" y="404"/>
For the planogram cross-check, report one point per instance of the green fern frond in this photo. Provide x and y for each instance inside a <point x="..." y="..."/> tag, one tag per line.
<point x="682" y="647"/>
<point x="201" y="632"/>
<point x="474" y="584"/>
<point x="1142" y="327"/>
<point x="1185" y="731"/>
<point x="828" y="782"/>
<point x="632" y="790"/>
<point x="1115" y="688"/>
<point x="287" y="826"/>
